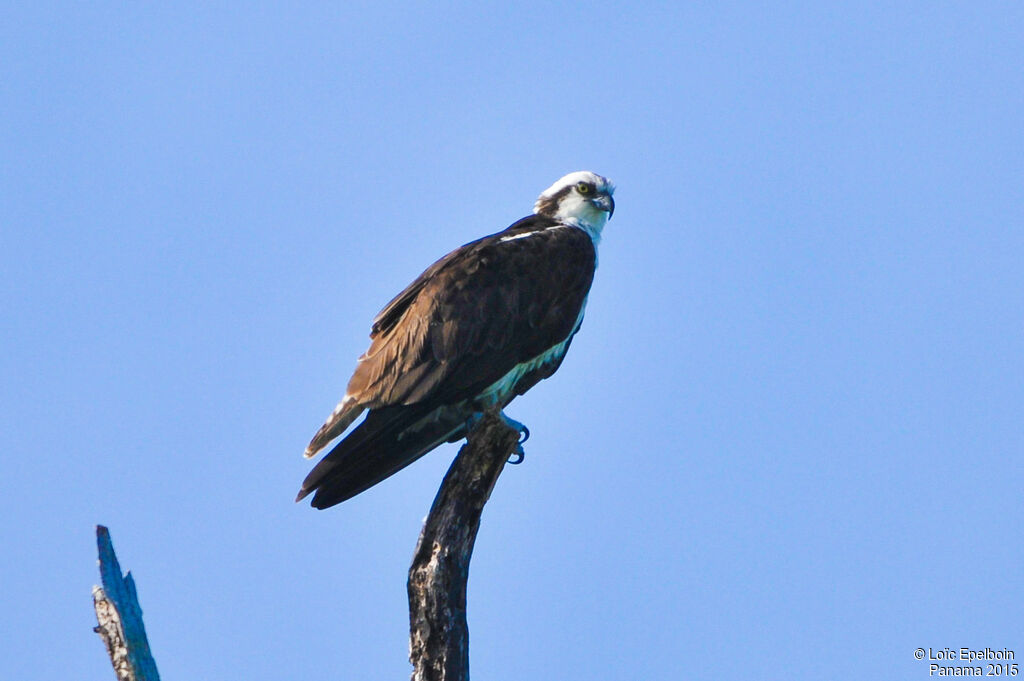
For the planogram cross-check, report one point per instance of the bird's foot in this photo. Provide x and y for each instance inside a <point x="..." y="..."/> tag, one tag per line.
<point x="518" y="454"/>
<point x="524" y="434"/>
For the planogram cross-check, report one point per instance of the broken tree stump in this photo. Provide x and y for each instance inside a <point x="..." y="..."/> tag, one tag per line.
<point x="120" y="617"/>
<point x="438" y="633"/>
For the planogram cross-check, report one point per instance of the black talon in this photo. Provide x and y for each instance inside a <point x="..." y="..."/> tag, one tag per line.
<point x="517" y="453"/>
<point x="525" y="434"/>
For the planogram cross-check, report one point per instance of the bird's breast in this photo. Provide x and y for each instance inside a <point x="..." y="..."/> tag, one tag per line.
<point x="501" y="390"/>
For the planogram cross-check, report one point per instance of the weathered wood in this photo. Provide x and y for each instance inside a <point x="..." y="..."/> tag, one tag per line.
<point x="438" y="633"/>
<point x="120" y="617"/>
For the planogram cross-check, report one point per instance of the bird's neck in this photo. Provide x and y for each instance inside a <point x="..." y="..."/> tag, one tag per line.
<point x="592" y="227"/>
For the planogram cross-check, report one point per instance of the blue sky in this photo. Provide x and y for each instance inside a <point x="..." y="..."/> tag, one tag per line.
<point x="785" y="445"/>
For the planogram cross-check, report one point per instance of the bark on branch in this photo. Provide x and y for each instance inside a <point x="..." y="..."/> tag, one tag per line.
<point x="438" y="634"/>
<point x="120" y="617"/>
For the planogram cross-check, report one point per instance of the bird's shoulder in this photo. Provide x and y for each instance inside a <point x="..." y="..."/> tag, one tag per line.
<point x="522" y="239"/>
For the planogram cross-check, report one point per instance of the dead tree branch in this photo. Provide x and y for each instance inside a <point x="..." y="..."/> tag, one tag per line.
<point x="120" y="617"/>
<point x="438" y="633"/>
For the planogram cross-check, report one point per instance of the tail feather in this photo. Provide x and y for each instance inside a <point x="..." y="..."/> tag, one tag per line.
<point x="341" y="418"/>
<point x="387" y="441"/>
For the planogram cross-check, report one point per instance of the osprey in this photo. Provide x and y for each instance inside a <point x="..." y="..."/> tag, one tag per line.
<point x="480" y="326"/>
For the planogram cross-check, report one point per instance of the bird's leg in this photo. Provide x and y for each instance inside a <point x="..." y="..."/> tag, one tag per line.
<point x="524" y="434"/>
<point x="473" y="420"/>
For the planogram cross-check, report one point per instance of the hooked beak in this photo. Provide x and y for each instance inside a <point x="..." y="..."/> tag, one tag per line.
<point x="604" y="202"/>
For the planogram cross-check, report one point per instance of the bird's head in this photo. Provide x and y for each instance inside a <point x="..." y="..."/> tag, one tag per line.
<point x="582" y="198"/>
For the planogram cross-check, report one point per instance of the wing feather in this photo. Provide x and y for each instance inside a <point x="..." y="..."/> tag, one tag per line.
<point x="475" y="314"/>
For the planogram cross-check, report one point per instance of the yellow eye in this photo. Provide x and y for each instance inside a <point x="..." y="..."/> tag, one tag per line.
<point x="583" y="188"/>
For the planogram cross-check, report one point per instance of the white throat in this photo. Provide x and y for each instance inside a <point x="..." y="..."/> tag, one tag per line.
<point x="579" y="212"/>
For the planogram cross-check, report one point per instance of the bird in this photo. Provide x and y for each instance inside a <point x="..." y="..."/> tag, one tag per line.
<point x="479" y="327"/>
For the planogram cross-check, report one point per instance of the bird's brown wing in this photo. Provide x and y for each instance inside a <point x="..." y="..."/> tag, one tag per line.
<point x="475" y="315"/>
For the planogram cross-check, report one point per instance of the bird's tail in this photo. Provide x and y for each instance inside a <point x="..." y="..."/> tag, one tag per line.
<point x="388" y="440"/>
<point x="341" y="418"/>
